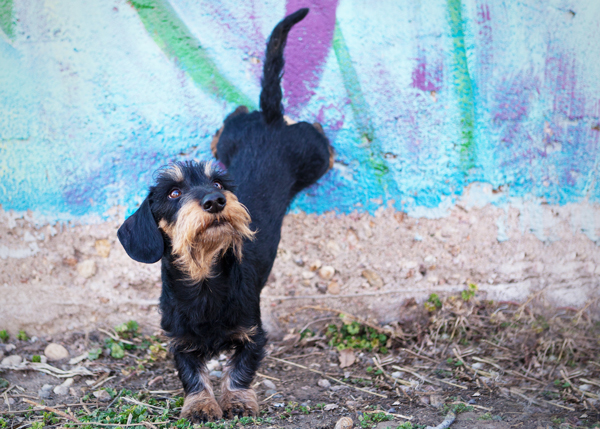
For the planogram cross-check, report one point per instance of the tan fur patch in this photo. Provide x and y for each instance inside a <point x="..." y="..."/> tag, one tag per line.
<point x="208" y="168"/>
<point x="174" y="171"/>
<point x="201" y="406"/>
<point x="237" y="401"/>
<point x="288" y="120"/>
<point x="244" y="335"/>
<point x="197" y="243"/>
<point x="215" y="141"/>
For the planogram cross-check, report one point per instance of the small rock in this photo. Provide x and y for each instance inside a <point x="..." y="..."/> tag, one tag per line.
<point x="324" y="383"/>
<point x="299" y="262"/>
<point x="352" y="404"/>
<point x="87" y="268"/>
<point x="307" y="275"/>
<point x="373" y="278"/>
<point x="424" y="400"/>
<point x="270" y="392"/>
<point x="12" y="360"/>
<point x="330" y="407"/>
<point x="10" y="401"/>
<point x="321" y="287"/>
<point x="45" y="391"/>
<point x="334" y="288"/>
<point x="327" y="272"/>
<point x="315" y="265"/>
<point x="391" y="410"/>
<point x="9" y="348"/>
<point x="103" y="247"/>
<point x="63" y="389"/>
<point x="397" y="374"/>
<point x="344" y="423"/>
<point x="269" y="384"/>
<point x="217" y="374"/>
<point x="102" y="395"/>
<point x="436" y="400"/>
<point x="55" y="351"/>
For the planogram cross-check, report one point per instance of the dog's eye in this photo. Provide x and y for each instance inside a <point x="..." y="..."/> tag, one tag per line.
<point x="175" y="193"/>
<point x="218" y="185"/>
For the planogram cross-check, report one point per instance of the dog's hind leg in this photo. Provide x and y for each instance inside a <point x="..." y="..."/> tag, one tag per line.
<point x="200" y="404"/>
<point x="237" y="396"/>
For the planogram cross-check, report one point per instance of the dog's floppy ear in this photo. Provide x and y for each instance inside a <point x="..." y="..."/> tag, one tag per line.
<point x="141" y="237"/>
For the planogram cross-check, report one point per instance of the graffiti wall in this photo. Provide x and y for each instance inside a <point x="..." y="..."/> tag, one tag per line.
<point x="421" y="99"/>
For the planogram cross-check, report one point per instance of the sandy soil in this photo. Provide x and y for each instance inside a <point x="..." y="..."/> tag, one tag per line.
<point x="56" y="278"/>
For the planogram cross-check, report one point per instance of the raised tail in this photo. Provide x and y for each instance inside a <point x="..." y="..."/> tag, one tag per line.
<point x="271" y="95"/>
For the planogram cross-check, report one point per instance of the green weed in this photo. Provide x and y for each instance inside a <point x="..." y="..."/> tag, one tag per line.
<point x="469" y="293"/>
<point x="370" y="420"/>
<point x="353" y="335"/>
<point x="4" y="336"/>
<point x="22" y="336"/>
<point x="433" y="302"/>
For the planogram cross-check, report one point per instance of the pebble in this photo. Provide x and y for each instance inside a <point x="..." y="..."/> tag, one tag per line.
<point x="299" y="262"/>
<point x="334" y="288"/>
<point x="103" y="247"/>
<point x="315" y="265"/>
<point x="215" y="373"/>
<point x="45" y="391"/>
<point x="63" y="389"/>
<point x="373" y="278"/>
<point x="330" y="407"/>
<point x="269" y="384"/>
<point x="436" y="400"/>
<point x="327" y="272"/>
<point x="12" y="360"/>
<point x="102" y="395"/>
<point x="344" y="423"/>
<point x="11" y="401"/>
<point x="9" y="348"/>
<point x="55" y="351"/>
<point x="87" y="268"/>
<point x="307" y="275"/>
<point x="324" y="383"/>
<point x="271" y="392"/>
<point x="397" y="374"/>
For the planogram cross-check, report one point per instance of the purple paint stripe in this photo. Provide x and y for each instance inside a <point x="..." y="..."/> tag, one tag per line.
<point x="305" y="58"/>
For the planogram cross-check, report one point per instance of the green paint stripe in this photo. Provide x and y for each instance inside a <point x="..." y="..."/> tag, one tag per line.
<point x="360" y="108"/>
<point x="463" y="85"/>
<point x="7" y="23"/>
<point x="179" y="44"/>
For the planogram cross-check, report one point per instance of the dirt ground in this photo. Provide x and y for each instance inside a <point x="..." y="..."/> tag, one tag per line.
<point x="522" y="354"/>
<point x="496" y="365"/>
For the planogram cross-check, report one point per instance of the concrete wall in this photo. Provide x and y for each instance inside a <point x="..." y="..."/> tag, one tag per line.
<point x="421" y="99"/>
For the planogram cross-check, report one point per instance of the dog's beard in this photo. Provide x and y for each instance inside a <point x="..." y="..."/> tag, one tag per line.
<point x="198" y="238"/>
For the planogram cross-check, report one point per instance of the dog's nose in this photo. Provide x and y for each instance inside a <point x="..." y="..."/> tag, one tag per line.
<point x="214" y="202"/>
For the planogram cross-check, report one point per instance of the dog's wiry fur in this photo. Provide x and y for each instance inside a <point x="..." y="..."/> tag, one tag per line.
<point x="216" y="233"/>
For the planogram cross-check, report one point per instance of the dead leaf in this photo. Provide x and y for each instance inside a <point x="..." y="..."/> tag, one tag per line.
<point x="330" y="407"/>
<point x="347" y="358"/>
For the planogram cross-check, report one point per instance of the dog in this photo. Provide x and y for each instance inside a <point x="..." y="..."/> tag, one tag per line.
<point x="216" y="231"/>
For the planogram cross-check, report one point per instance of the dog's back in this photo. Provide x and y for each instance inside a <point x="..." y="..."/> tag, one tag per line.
<point x="270" y="160"/>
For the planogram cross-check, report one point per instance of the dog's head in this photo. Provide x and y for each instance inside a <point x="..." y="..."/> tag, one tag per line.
<point x="191" y="212"/>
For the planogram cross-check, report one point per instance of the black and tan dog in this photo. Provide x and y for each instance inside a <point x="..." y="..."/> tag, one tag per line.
<point x="217" y="234"/>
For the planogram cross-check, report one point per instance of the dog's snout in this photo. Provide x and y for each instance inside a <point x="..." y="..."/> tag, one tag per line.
<point x="214" y="202"/>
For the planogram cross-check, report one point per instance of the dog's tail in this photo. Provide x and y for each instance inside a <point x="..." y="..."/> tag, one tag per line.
<point x="271" y="95"/>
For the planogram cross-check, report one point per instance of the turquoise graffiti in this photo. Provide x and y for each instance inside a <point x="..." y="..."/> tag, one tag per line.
<point x="420" y="99"/>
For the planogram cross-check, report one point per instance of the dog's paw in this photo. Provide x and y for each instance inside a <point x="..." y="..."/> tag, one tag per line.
<point x="241" y="403"/>
<point x="201" y="407"/>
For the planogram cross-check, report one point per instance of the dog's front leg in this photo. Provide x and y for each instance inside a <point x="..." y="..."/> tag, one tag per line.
<point x="200" y="404"/>
<point x="237" y="396"/>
